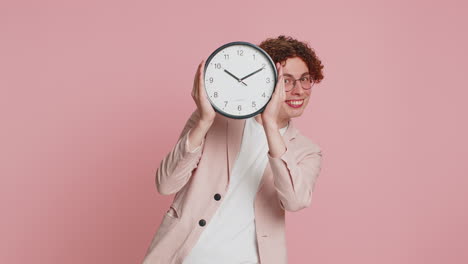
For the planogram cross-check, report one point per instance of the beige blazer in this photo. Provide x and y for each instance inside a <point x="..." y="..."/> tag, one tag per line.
<point x="200" y="181"/>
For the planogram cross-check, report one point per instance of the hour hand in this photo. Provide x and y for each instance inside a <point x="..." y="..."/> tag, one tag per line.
<point x="235" y="77"/>
<point x="247" y="76"/>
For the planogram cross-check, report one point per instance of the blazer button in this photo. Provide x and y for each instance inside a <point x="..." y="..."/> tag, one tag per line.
<point x="202" y="222"/>
<point x="217" y="197"/>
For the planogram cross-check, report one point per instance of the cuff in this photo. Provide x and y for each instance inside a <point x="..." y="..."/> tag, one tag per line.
<point x="286" y="156"/>
<point x="286" y="161"/>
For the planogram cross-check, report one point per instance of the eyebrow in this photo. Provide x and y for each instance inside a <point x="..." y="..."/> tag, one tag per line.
<point x="287" y="74"/>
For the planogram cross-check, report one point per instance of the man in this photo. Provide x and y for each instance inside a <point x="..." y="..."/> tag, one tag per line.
<point x="234" y="179"/>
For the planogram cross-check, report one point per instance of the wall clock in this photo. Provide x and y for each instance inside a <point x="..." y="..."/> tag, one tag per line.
<point x="239" y="79"/>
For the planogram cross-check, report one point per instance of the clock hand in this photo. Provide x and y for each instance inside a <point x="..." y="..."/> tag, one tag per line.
<point x="235" y="77"/>
<point x="247" y="76"/>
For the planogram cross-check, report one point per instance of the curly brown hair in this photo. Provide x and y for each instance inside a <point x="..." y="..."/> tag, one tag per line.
<point x="284" y="47"/>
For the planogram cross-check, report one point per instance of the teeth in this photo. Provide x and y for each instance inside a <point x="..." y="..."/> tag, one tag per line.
<point x="296" y="102"/>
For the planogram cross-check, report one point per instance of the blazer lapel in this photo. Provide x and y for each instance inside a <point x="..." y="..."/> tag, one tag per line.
<point x="290" y="133"/>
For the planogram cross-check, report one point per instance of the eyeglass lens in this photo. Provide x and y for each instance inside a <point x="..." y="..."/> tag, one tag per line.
<point x="305" y="82"/>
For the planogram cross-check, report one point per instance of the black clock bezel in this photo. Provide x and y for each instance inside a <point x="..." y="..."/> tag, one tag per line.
<point x="246" y="44"/>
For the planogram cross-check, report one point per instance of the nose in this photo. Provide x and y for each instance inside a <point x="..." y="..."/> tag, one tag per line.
<point x="297" y="89"/>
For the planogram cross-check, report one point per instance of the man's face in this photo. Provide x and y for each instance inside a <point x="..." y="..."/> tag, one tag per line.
<point x="298" y="98"/>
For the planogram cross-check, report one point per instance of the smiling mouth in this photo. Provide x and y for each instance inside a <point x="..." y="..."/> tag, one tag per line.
<point x="295" y="103"/>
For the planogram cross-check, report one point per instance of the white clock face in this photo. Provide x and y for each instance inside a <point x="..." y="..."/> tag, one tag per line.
<point x="239" y="79"/>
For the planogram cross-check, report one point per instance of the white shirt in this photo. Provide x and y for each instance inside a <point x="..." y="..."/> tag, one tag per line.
<point x="230" y="236"/>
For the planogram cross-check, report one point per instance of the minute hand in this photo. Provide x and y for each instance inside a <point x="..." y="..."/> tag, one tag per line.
<point x="247" y="76"/>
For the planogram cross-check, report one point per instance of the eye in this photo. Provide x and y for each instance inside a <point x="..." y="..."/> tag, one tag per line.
<point x="305" y="78"/>
<point x="287" y="81"/>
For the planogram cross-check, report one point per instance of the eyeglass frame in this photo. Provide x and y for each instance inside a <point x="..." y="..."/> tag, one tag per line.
<point x="295" y="80"/>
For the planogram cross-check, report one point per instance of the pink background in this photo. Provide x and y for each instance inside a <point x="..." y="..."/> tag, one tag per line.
<point x="95" y="93"/>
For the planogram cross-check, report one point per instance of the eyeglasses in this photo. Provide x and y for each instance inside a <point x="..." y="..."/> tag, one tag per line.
<point x="290" y="83"/>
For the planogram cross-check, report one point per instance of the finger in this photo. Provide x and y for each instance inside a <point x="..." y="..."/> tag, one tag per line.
<point x="279" y="70"/>
<point x="195" y="81"/>
<point x="199" y="79"/>
<point x="195" y="88"/>
<point x="201" y="83"/>
<point x="281" y="78"/>
<point x="279" y="91"/>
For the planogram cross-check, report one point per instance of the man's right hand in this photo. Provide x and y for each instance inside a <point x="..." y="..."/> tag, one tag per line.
<point x="207" y="113"/>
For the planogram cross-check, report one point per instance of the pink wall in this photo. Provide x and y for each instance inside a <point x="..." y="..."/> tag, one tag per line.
<point x="94" y="94"/>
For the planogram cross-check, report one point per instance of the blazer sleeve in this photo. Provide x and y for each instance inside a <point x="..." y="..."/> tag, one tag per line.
<point x="295" y="176"/>
<point x="177" y="167"/>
